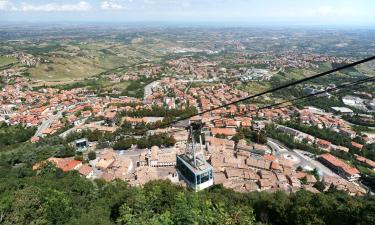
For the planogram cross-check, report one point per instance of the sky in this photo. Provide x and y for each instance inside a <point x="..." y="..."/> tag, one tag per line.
<point x="278" y="12"/>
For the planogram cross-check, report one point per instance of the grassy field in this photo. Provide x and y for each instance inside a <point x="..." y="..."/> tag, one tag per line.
<point x="6" y="60"/>
<point x="63" y="69"/>
<point x="76" y="61"/>
<point x="255" y="87"/>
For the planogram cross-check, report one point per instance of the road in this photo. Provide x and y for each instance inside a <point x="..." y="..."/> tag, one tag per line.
<point x="300" y="158"/>
<point x="73" y="129"/>
<point x="47" y="123"/>
<point x="148" y="88"/>
<point x="310" y="158"/>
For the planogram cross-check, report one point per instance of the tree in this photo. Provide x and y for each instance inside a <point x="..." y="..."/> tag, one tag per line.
<point x="303" y="180"/>
<point x="319" y="185"/>
<point x="66" y="151"/>
<point x="123" y="144"/>
<point x="26" y="207"/>
<point x="78" y="113"/>
<point x="58" y="206"/>
<point x="93" y="135"/>
<point x="91" y="155"/>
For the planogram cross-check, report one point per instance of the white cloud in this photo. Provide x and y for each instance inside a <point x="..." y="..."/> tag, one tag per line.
<point x="149" y="1"/>
<point x="49" y="7"/>
<point x="5" y="4"/>
<point x="112" y="5"/>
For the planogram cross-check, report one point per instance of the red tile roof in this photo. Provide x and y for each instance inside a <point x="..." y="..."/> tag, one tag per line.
<point x="85" y="170"/>
<point x="369" y="162"/>
<point x="65" y="164"/>
<point x="224" y="131"/>
<point x="340" y="164"/>
<point x="357" y="145"/>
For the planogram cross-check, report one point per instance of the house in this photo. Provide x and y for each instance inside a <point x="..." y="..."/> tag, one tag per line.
<point x="86" y="171"/>
<point x="258" y="163"/>
<point x="357" y="145"/>
<point x="264" y="184"/>
<point x="229" y="132"/>
<point x="243" y="149"/>
<point x="367" y="162"/>
<point x="338" y="166"/>
<point x="294" y="181"/>
<point x="65" y="164"/>
<point x="109" y="116"/>
<point x="107" y="158"/>
<point x="219" y="178"/>
<point x="219" y="145"/>
<point x="323" y="144"/>
<point x="34" y="139"/>
<point x="161" y="158"/>
<point x="260" y="149"/>
<point x="348" y="133"/>
<point x="121" y="167"/>
<point x="340" y="148"/>
<point x="343" y="185"/>
<point x="108" y="176"/>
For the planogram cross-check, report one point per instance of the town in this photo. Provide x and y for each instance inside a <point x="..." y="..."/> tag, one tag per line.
<point x="163" y="112"/>
<point x="245" y="146"/>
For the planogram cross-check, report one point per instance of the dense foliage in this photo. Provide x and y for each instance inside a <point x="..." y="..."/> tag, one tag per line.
<point x="162" y="112"/>
<point x="289" y="141"/>
<point x="250" y="135"/>
<point x="359" y="120"/>
<point x="50" y="196"/>
<point x="15" y="134"/>
<point x="145" y="142"/>
<point x="53" y="197"/>
<point x="322" y="133"/>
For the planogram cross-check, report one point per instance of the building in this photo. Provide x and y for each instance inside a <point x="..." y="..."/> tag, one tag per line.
<point x="348" y="133"/>
<point x="107" y="158"/>
<point x="342" y="110"/>
<point x="260" y="149"/>
<point x="219" y="145"/>
<point x="339" y="167"/>
<point x="296" y="134"/>
<point x="351" y="100"/>
<point x="367" y="162"/>
<point x="86" y="171"/>
<point x="357" y="145"/>
<point x="323" y="144"/>
<point x="229" y="132"/>
<point x="245" y="150"/>
<point x="161" y="158"/>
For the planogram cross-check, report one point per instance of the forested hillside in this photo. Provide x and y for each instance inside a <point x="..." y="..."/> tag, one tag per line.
<point x="53" y="197"/>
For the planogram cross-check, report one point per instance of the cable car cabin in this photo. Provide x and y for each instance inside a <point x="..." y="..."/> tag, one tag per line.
<point x="81" y="144"/>
<point x="197" y="177"/>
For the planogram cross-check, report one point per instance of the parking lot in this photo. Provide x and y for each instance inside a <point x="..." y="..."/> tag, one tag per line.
<point x="300" y="158"/>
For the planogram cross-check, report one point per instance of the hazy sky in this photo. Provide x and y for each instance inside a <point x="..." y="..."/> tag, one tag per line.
<point x="288" y="12"/>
